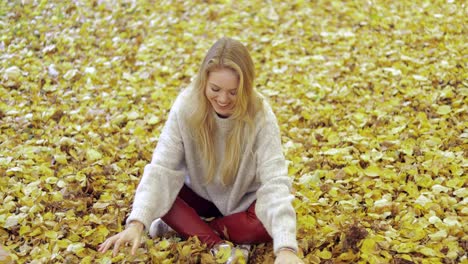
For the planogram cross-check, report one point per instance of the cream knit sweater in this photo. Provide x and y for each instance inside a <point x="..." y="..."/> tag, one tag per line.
<point x="262" y="175"/>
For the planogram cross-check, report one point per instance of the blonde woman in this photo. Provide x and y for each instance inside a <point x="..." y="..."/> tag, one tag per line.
<point x="219" y="155"/>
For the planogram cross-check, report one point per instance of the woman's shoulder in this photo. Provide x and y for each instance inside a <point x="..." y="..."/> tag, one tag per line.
<point x="265" y="114"/>
<point x="183" y="94"/>
<point x="183" y="104"/>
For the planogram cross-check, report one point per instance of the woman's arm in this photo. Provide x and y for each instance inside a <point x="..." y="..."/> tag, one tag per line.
<point x="161" y="181"/>
<point x="274" y="199"/>
<point x="164" y="176"/>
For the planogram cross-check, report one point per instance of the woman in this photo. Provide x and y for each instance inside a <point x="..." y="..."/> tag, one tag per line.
<point x="219" y="155"/>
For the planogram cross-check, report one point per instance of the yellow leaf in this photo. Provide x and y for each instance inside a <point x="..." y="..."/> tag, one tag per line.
<point x="428" y="252"/>
<point x="12" y="221"/>
<point x="223" y="254"/>
<point x="12" y="73"/>
<point x="24" y="229"/>
<point x="86" y="260"/>
<point x="414" y="233"/>
<point x="139" y="131"/>
<point x="51" y="234"/>
<point x="186" y="251"/>
<point x="61" y="158"/>
<point x="153" y="120"/>
<point x="118" y="258"/>
<point x="406" y="256"/>
<point x="70" y="74"/>
<point x="160" y="254"/>
<point x="100" y="205"/>
<point x="239" y="256"/>
<point x="324" y="254"/>
<point x="351" y="169"/>
<point x="101" y="233"/>
<point x="405" y="247"/>
<point x="164" y="244"/>
<point x="93" y="155"/>
<point x="444" y="109"/>
<point x="373" y="171"/>
<point x="76" y="247"/>
<point x="439" y="235"/>
<point x="368" y="246"/>
<point x="307" y="222"/>
<point x="461" y="193"/>
<point x="347" y="256"/>
<point x="63" y="243"/>
<point x="36" y="232"/>
<point x="133" y="115"/>
<point x="424" y="180"/>
<point x="106" y="260"/>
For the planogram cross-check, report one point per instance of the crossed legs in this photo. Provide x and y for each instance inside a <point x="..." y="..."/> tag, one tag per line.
<point x="239" y="228"/>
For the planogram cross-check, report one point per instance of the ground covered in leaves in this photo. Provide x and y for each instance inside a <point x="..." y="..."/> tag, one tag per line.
<point x="371" y="97"/>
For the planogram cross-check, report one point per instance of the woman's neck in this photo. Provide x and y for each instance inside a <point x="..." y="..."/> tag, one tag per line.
<point x="222" y="116"/>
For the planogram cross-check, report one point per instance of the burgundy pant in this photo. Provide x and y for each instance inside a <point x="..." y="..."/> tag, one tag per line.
<point x="239" y="228"/>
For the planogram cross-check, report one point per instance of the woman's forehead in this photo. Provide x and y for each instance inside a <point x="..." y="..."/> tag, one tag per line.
<point x="224" y="78"/>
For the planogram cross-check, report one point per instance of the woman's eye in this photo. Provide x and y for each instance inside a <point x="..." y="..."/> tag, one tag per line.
<point x="233" y="93"/>
<point x="214" y="89"/>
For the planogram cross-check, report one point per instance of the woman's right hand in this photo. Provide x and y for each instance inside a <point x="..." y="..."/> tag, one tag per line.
<point x="287" y="257"/>
<point x="132" y="234"/>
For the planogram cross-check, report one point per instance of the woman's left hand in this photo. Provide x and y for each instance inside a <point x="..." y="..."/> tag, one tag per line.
<point x="287" y="257"/>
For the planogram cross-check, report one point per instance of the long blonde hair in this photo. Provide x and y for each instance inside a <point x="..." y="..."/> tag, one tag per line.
<point x="231" y="54"/>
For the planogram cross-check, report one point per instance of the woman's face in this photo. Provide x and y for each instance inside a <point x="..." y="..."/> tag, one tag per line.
<point x="221" y="90"/>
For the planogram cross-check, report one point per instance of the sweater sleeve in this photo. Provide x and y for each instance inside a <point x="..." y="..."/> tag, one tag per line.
<point x="274" y="199"/>
<point x="163" y="177"/>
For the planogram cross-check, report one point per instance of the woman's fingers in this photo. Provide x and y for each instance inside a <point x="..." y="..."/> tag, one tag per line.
<point x="116" y="247"/>
<point x="136" y="244"/>
<point x="120" y="239"/>
<point x="102" y="246"/>
<point x="107" y="244"/>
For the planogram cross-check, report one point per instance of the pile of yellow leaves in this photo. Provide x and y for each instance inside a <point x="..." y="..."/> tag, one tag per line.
<point x="371" y="97"/>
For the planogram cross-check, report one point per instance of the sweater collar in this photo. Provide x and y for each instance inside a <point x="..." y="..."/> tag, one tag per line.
<point x="224" y="124"/>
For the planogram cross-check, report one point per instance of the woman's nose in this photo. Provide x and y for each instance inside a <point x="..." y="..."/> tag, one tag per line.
<point x="223" y="98"/>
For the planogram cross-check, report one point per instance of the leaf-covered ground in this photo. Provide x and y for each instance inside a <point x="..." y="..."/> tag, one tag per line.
<point x="371" y="97"/>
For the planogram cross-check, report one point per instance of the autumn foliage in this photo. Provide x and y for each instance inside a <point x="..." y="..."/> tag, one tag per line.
<point x="371" y="97"/>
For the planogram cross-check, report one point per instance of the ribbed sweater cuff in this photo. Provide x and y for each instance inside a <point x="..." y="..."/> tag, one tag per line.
<point x="141" y="215"/>
<point x="284" y="240"/>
